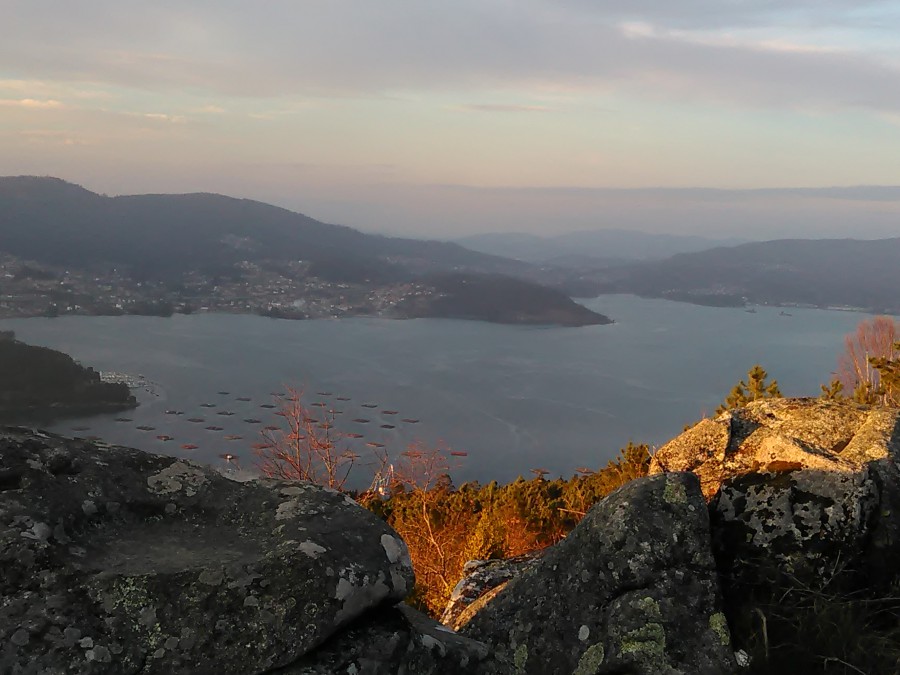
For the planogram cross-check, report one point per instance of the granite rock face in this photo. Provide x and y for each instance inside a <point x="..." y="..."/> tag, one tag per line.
<point x="118" y="561"/>
<point x="482" y="577"/>
<point x="633" y="589"/>
<point x="781" y="435"/>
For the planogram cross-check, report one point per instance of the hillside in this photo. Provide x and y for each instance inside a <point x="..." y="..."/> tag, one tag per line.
<point x="821" y="272"/>
<point x="162" y="253"/>
<point x="49" y="220"/>
<point x="41" y="383"/>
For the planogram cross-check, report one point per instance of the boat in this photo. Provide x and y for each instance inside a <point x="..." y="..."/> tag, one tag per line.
<point x="272" y="427"/>
<point x="207" y="405"/>
<point x="232" y="437"/>
<point x="353" y="435"/>
<point x="124" y="419"/>
<point x="410" y="420"/>
<point x="369" y="405"/>
<point x="343" y="398"/>
<point x="224" y="393"/>
<point x="189" y="446"/>
<point x="389" y="412"/>
<point x="243" y="398"/>
<point x="261" y="446"/>
<point x="226" y="413"/>
<point x="164" y="437"/>
<point x="323" y="393"/>
<point x="81" y="428"/>
<point x="750" y="311"/>
<point x="267" y="405"/>
<point x="195" y="420"/>
<point x="144" y="427"/>
<point x="213" y="428"/>
<point x="373" y="444"/>
<point x="250" y="420"/>
<point x="388" y="426"/>
<point x="360" y="420"/>
<point x="319" y="404"/>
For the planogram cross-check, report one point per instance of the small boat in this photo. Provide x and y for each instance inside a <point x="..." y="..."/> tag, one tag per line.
<point x="250" y="420"/>
<point x="261" y="446"/>
<point x="243" y="398"/>
<point x="369" y="405"/>
<point x="784" y="314"/>
<point x="207" y="405"/>
<point x="272" y="427"/>
<point x="319" y="404"/>
<point x="228" y="457"/>
<point x="360" y="420"/>
<point x="459" y="453"/>
<point x="195" y="420"/>
<point x="224" y="393"/>
<point x="226" y="413"/>
<point x="343" y="398"/>
<point x="353" y="435"/>
<point x="232" y="437"/>
<point x="388" y="426"/>
<point x="281" y="413"/>
<point x="213" y="428"/>
<point x="332" y="411"/>
<point x="276" y="393"/>
<point x="323" y="393"/>
<point x="410" y="420"/>
<point x="124" y="419"/>
<point x="189" y="446"/>
<point x="81" y="428"/>
<point x="267" y="405"/>
<point x="325" y="425"/>
<point x="171" y="412"/>
<point x="144" y="427"/>
<point x="389" y="412"/>
<point x="750" y="311"/>
<point x="164" y="437"/>
<point x="373" y="444"/>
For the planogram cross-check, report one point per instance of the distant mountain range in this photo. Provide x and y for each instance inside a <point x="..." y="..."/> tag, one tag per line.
<point x="589" y="248"/>
<point x="55" y="222"/>
<point x="855" y="273"/>
<point x="170" y="240"/>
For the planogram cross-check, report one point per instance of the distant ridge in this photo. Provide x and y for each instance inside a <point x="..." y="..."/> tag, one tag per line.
<point x="50" y="220"/>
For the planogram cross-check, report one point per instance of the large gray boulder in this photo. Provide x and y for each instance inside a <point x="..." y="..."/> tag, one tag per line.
<point x="633" y="589"/>
<point x="113" y="560"/>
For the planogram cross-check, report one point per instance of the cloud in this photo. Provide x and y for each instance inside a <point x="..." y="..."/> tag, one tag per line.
<point x="30" y="103"/>
<point x="771" y="52"/>
<point x="503" y="108"/>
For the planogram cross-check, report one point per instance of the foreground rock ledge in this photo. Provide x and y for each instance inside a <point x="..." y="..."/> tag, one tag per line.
<point x="633" y="589"/>
<point x="115" y="560"/>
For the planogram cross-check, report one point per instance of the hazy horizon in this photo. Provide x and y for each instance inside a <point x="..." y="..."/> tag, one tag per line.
<point x="442" y="119"/>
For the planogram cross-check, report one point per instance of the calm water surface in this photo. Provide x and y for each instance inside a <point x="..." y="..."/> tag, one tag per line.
<point x="513" y="397"/>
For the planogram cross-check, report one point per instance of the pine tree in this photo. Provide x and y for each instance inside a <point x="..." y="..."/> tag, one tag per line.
<point x="754" y="389"/>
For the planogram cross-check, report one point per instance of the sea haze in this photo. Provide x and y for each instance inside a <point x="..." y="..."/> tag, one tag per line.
<point x="514" y="398"/>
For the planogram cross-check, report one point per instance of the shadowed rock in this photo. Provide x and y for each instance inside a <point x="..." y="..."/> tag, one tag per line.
<point x="399" y="640"/>
<point x="118" y="561"/>
<point x="633" y="589"/>
<point x="483" y="577"/>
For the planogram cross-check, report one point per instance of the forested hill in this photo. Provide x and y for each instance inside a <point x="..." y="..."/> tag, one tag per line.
<point x="42" y="383"/>
<point x="821" y="272"/>
<point x="54" y="222"/>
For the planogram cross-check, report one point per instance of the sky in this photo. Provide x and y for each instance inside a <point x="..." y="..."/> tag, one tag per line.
<point x="440" y="118"/>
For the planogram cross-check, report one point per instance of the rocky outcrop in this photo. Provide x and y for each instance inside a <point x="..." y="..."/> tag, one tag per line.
<point x="801" y="489"/>
<point x="632" y="589"/>
<point x="781" y="435"/>
<point x="482" y="578"/>
<point x="118" y="561"/>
